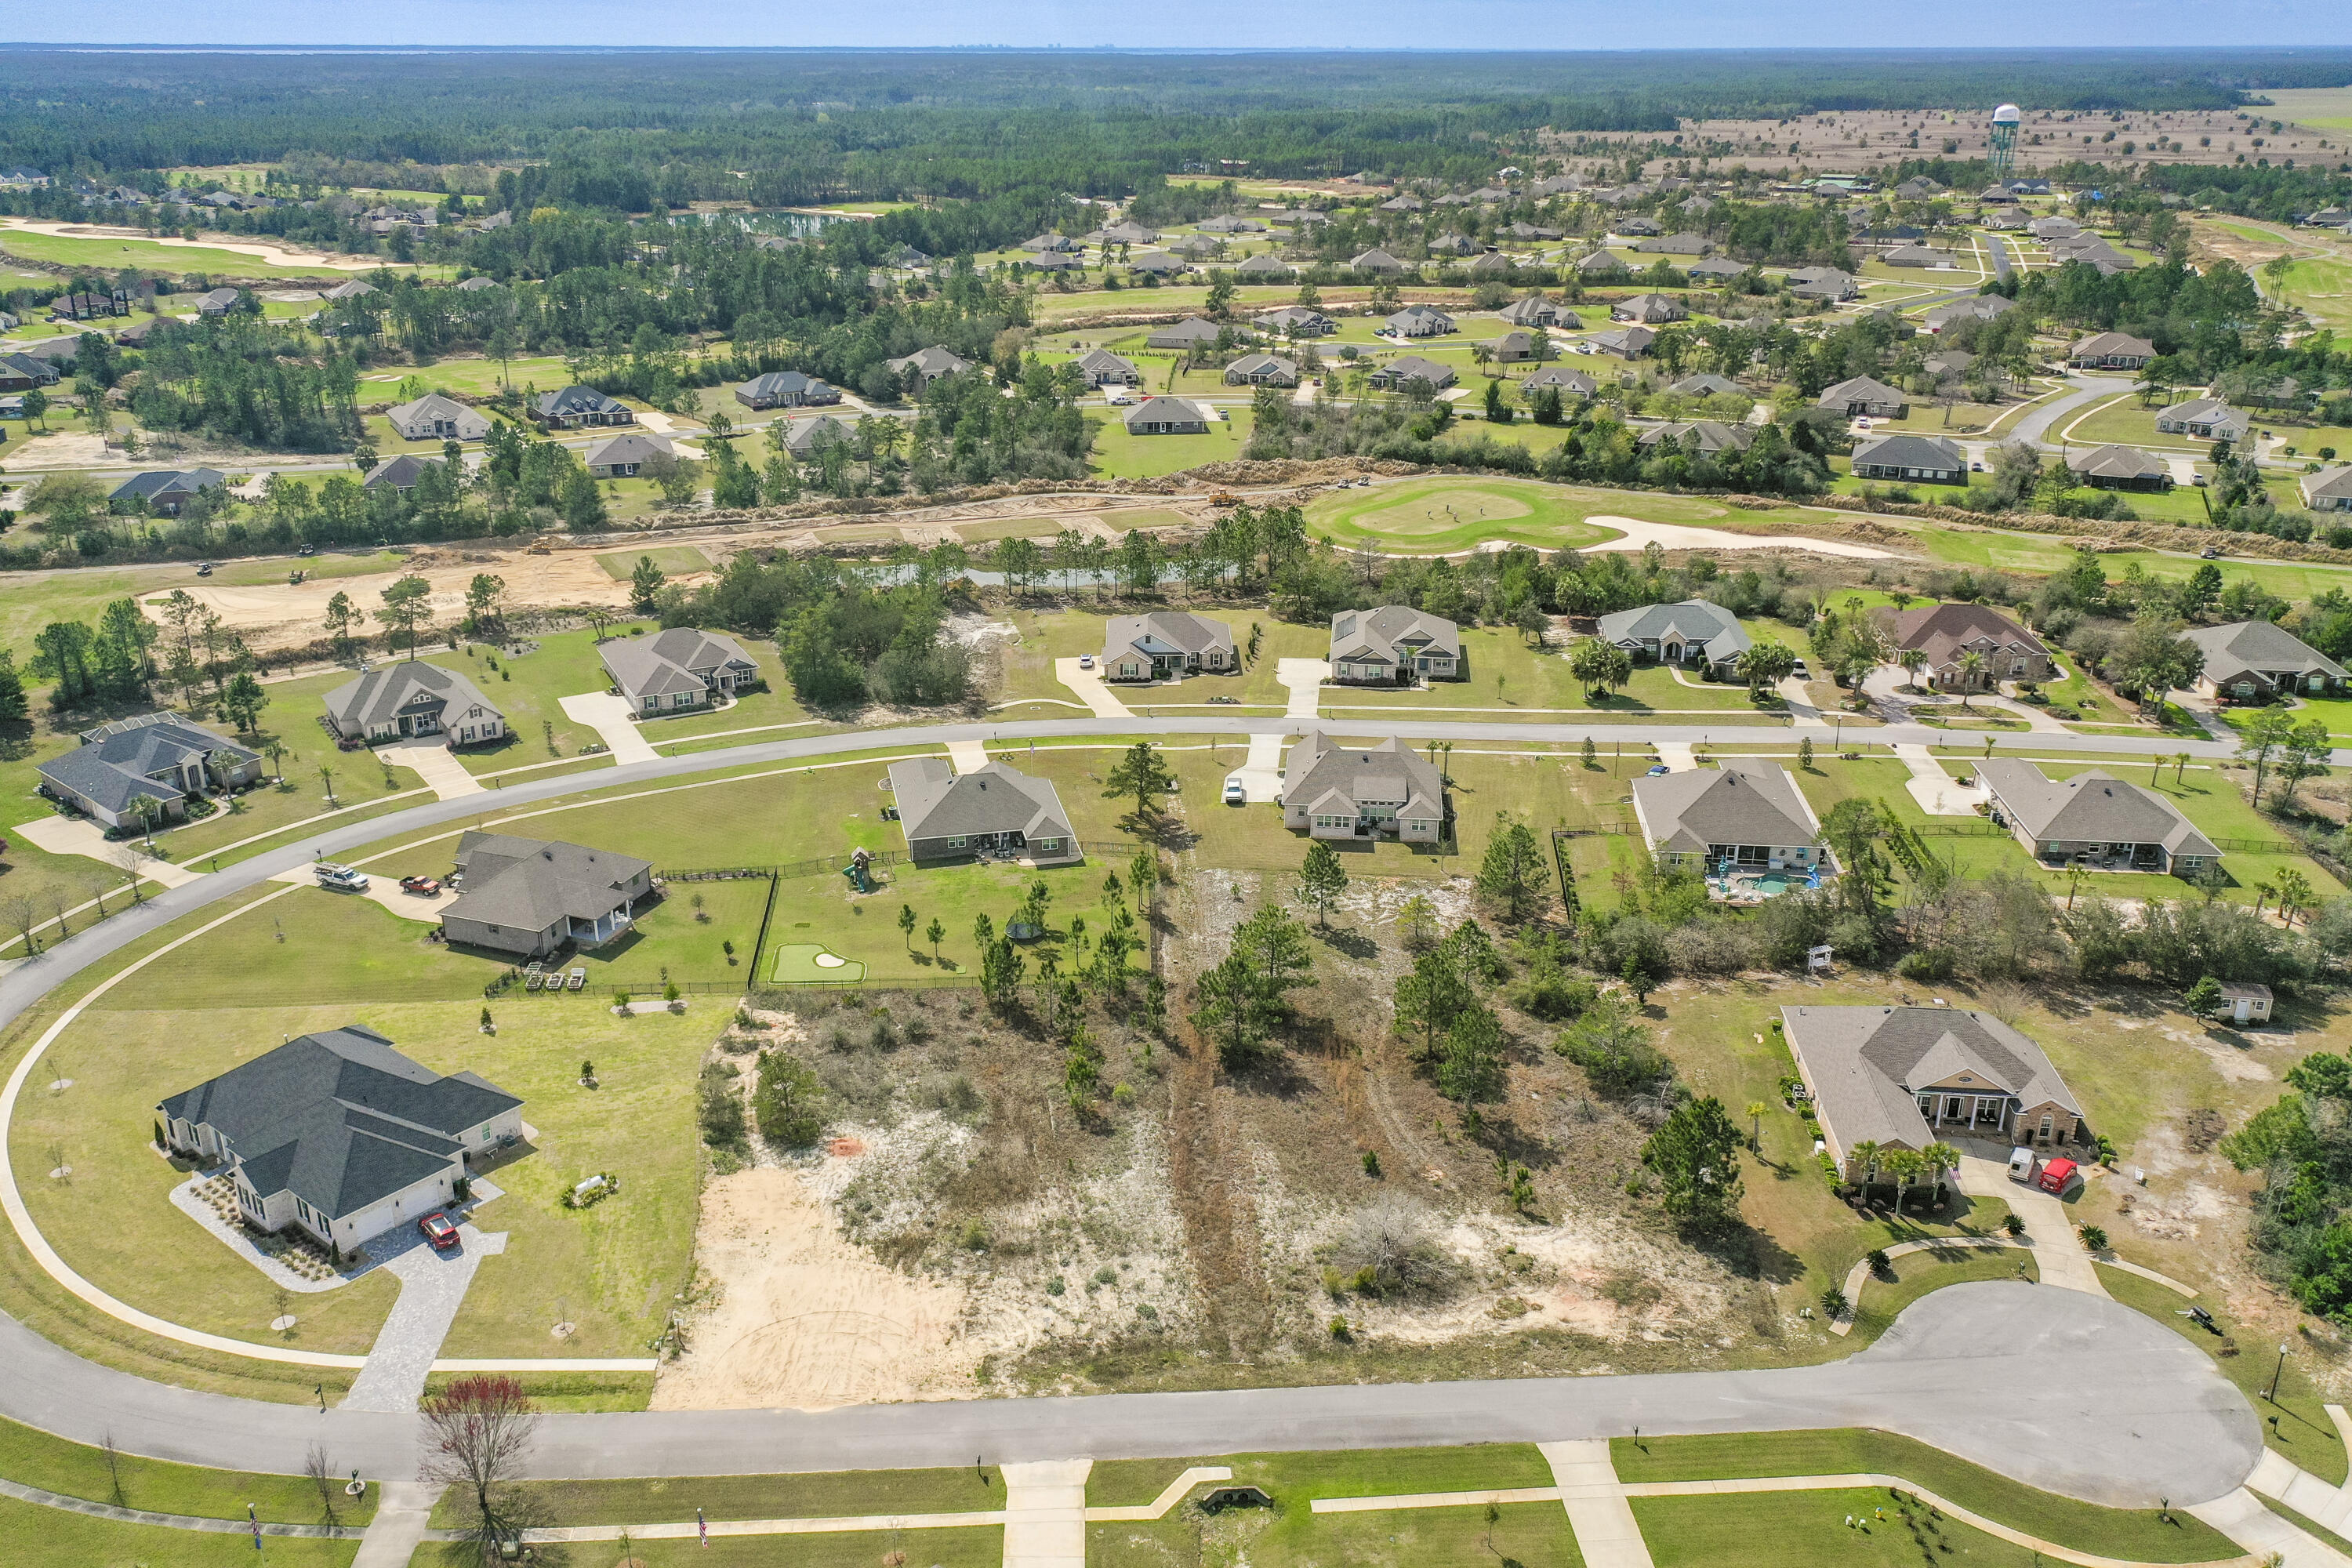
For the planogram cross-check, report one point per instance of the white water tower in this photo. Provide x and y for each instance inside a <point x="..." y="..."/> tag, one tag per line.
<point x="2003" y="152"/>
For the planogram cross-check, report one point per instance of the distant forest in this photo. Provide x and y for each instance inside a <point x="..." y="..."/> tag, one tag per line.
<point x="786" y="127"/>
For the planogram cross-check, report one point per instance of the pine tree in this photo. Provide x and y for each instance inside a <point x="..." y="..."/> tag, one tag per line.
<point x="1321" y="880"/>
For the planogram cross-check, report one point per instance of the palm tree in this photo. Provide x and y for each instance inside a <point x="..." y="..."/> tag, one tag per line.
<point x="1866" y="1159"/>
<point x="1972" y="665"/>
<point x="1904" y="1166"/>
<point x="2263" y="891"/>
<point x="1940" y="1158"/>
<point x="2180" y="765"/>
<point x="1913" y="661"/>
<point x="1756" y="1109"/>
<point x="2294" y="893"/>
<point x="327" y="777"/>
<point x="146" y="807"/>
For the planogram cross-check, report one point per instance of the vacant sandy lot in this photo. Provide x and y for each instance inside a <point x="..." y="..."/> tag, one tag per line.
<point x="275" y="615"/>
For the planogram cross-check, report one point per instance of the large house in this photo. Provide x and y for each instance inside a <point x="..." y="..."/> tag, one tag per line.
<point x="1262" y="370"/>
<point x="1401" y="374"/>
<point x="1164" y="643"/>
<point x="1419" y="322"/>
<point x="2330" y="490"/>
<point x="2254" y="661"/>
<point x="1886" y="1078"/>
<point x="402" y="473"/>
<point x="1334" y="791"/>
<point x="1831" y="285"/>
<point x="1101" y="367"/>
<point x="1706" y="383"/>
<point x="808" y="435"/>
<point x="1569" y="381"/>
<point x="1707" y="436"/>
<point x="164" y="757"/>
<point x="1624" y="343"/>
<point x="1747" y="812"/>
<point x="2114" y="468"/>
<point x="1376" y="260"/>
<point x="529" y="897"/>
<point x="338" y="1136"/>
<point x="786" y="389"/>
<point x="410" y="698"/>
<point x="991" y="810"/>
<point x="1535" y="311"/>
<point x="2111" y="351"/>
<point x="2207" y="418"/>
<point x="1929" y="459"/>
<point x="1393" y="644"/>
<point x="1649" y="309"/>
<point x="1691" y="632"/>
<point x="1944" y="633"/>
<point x="1191" y="332"/>
<point x="434" y="417"/>
<point x="580" y="408"/>
<point x="1976" y="308"/>
<point x="1864" y="396"/>
<point x="927" y="364"/>
<point x="23" y="373"/>
<point x="2105" y="823"/>
<point x="681" y="669"/>
<point x="164" y="493"/>
<point x="1160" y="415"/>
<point x="623" y="456"/>
<point x="1297" y="321"/>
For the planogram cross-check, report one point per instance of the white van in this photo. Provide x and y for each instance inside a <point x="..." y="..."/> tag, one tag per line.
<point x="2020" y="1164"/>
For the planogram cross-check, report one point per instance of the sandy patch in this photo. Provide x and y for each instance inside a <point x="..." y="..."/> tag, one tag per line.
<point x="279" y="613"/>
<point x="2234" y="1065"/>
<point x="64" y="449"/>
<point x="271" y="254"/>
<point x="804" y="1320"/>
<point x="1677" y="536"/>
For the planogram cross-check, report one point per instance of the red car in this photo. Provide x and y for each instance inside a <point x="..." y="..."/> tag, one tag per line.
<point x="438" y="1231"/>
<point x="2056" y="1175"/>
<point x="427" y="886"/>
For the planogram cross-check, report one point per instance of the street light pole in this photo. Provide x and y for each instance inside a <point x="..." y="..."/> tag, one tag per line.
<point x="2278" y="1373"/>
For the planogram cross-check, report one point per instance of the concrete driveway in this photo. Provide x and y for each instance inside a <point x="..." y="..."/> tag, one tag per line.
<point x="2056" y="1252"/>
<point x="383" y="888"/>
<point x="80" y="836"/>
<point x="436" y="764"/>
<point x="1938" y="793"/>
<point x="1261" y="775"/>
<point x="1304" y="678"/>
<point x="609" y="716"/>
<point x="1087" y="684"/>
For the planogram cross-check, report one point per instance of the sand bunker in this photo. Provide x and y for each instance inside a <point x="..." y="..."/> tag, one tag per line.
<point x="1677" y="536"/>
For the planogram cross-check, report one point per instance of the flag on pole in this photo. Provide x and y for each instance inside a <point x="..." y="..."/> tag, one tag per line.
<point x="701" y="1528"/>
<point x="256" y="1522"/>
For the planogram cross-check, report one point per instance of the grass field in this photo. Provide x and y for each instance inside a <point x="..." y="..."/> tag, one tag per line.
<point x="1440" y="515"/>
<point x="671" y="560"/>
<point x="34" y="1459"/>
<point x="41" y="1537"/>
<point x="833" y="1494"/>
<point x="1809" y="1529"/>
<point x="1120" y="455"/>
<point x="2327" y="108"/>
<point x="108" y="252"/>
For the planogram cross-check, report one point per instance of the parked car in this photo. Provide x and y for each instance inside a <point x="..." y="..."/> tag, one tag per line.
<point x="2020" y="1164"/>
<point x="1235" y="793"/>
<point x="2056" y="1175"/>
<point x="1660" y="771"/>
<point x="1119" y="400"/>
<point x="425" y="886"/>
<point x="438" y="1231"/>
<point x="342" y="878"/>
<point x="2211" y="552"/>
<point x="1086" y="661"/>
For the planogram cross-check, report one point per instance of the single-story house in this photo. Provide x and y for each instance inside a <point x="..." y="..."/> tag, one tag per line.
<point x="2329" y="490"/>
<point x="1918" y="256"/>
<point x="217" y="302"/>
<point x="434" y="417"/>
<point x="1191" y="332"/>
<point x="2054" y="227"/>
<point x="1159" y="263"/>
<point x="1714" y="270"/>
<point x="1651" y="310"/>
<point x="1677" y="244"/>
<point x="1419" y="322"/>
<point x="1167" y="416"/>
<point x="2245" y="1004"/>
<point x="1710" y="435"/>
<point x="411" y="698"/>
<point x="340" y="1136"/>
<point x="401" y="473"/>
<point x="166" y="757"/>
<point x="1512" y="348"/>
<point x="1535" y="311"/>
<point x="23" y="373"/>
<point x="1051" y="242"/>
<point x="1296" y="322"/>
<point x="580" y="407"/>
<point x="2207" y="418"/>
<point x="1164" y="643"/>
<point x="1893" y="1078"/>
<point x="1693" y="632"/>
<point x="1393" y="645"/>
<point x="166" y="492"/>
<point x="2113" y="468"/>
<point x="621" y="456"/>
<point x="1601" y="264"/>
<point x="2111" y="351"/>
<point x="1929" y="459"/>
<point x="1624" y="343"/>
<point x="1749" y="812"/>
<point x="1399" y="375"/>
<point x="2108" y="824"/>
<point x="929" y="364"/>
<point x="1376" y="260"/>
<point x="1944" y="634"/>
<point x="786" y="389"/>
<point x="1572" y="383"/>
<point x="2254" y="661"/>
<point x="529" y="897"/>
<point x="1100" y="367"/>
<point x="1866" y="396"/>
<point x="681" y="669"/>
<point x="1402" y="205"/>
<point x="1262" y="370"/>
<point x="1706" y="383"/>
<point x="1387" y="790"/>
<point x="991" y="810"/>
<point x="1828" y="283"/>
<point x="1976" y="308"/>
<point x="1948" y="363"/>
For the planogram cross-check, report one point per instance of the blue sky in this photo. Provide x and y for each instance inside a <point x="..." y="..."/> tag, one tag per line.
<point x="1283" y="24"/>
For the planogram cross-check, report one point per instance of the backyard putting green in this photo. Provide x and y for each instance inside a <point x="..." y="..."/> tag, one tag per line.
<point x="1438" y="516"/>
<point x="801" y="961"/>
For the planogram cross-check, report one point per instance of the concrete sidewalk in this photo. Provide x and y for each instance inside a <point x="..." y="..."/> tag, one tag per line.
<point x="1596" y="1511"/>
<point x="402" y="1512"/>
<point x="1045" y="1513"/>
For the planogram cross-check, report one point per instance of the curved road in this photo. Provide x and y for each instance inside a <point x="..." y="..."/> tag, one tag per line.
<point x="2055" y="1388"/>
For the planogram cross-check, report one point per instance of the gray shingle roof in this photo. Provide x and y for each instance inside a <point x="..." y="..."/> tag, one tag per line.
<point x="113" y="764"/>
<point x="411" y="685"/>
<point x="2258" y="645"/>
<point x="631" y="447"/>
<point x="934" y="801"/>
<point x="1743" y="802"/>
<point x="1694" y="620"/>
<point x="2092" y="807"/>
<point x="575" y="400"/>
<point x="531" y="883"/>
<point x="1868" y="1065"/>
<point x="159" y="484"/>
<point x="1382" y="633"/>
<point x="673" y="661"/>
<point x="1173" y="631"/>
<point x="340" y="1119"/>
<point x="1904" y="451"/>
<point x="1338" y="781"/>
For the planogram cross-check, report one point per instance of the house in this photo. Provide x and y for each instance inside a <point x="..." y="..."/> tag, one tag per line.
<point x="218" y="302"/>
<point x="1709" y="435"/>
<point x="1492" y="264"/>
<point x="1715" y="268"/>
<point x="409" y="697"/>
<point x="1637" y="226"/>
<point x="806" y="435"/>
<point x="530" y="897"/>
<point x="1944" y="633"/>
<point x="1749" y="812"/>
<point x="1056" y="261"/>
<point x="681" y="669"/>
<point x="1376" y="260"/>
<point x="621" y="456"/>
<point x="1826" y="283"/>
<point x="1929" y="459"/>
<point x="1975" y="307"/>
<point x="1382" y="791"/>
<point x="1401" y="374"/>
<point x="1706" y="383"/>
<point x="352" y="289"/>
<point x="22" y="177"/>
<point x="2113" y="468"/>
<point x="1230" y="223"/>
<point x="2245" y="1004"/>
<point x="1693" y="632"/>
<point x="992" y="810"/>
<point x="1191" y="332"/>
<point x="1100" y="367"/>
<point x="1419" y="322"/>
<point x="1677" y="244"/>
<point x="1393" y="645"/>
<point x="401" y="473"/>
<point x="1890" y="1078"/>
<point x="166" y="757"/>
<point x="1402" y="205"/>
<point x="2329" y="490"/>
<point x="2205" y="418"/>
<point x="1863" y="396"/>
<point x="786" y="389"/>
<point x="1159" y="263"/>
<point x="1051" y="242"/>
<point x="1651" y="310"/>
<point x="1917" y="256"/>
<point x="2111" y="351"/>
<point x="2008" y="218"/>
<point x="1296" y="322"/>
<point x="1625" y="343"/>
<point x="1126" y="234"/>
<point x="1167" y="416"/>
<point x="1919" y="188"/>
<point x="2094" y="818"/>
<point x="1535" y="311"/>
<point x="927" y="364"/>
<point x="434" y="417"/>
<point x="1166" y="643"/>
<point x="2054" y="227"/>
<point x="1946" y="363"/>
<point x="1601" y="264"/>
<point x="338" y="1136"/>
<point x="1262" y="370"/>
<point x="579" y="407"/>
<point x="1511" y="348"/>
<point x="2254" y="661"/>
<point x="23" y="373"/>
<point x="1572" y="383"/>
<point x="1265" y="264"/>
<point x="475" y="284"/>
<point x="165" y="493"/>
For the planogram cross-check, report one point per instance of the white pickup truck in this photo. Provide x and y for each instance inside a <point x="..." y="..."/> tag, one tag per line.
<point x="341" y="879"/>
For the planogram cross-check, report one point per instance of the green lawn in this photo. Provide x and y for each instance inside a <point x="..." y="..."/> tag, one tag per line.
<point x="671" y="560"/>
<point x="110" y="253"/>
<point x="830" y="1494"/>
<point x="41" y="1537"/>
<point x="2136" y="1535"/>
<point x="1916" y="1273"/>
<point x="1440" y="515"/>
<point x="34" y="1459"/>
<point x="977" y="1547"/>
<point x="1809" y="1529"/>
<point x="1047" y="635"/>
<point x="1503" y="673"/>
<point x="1120" y="456"/>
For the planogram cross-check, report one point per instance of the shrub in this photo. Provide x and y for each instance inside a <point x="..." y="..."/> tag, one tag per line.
<point x="1834" y="1303"/>
<point x="2014" y="1223"/>
<point x="1390" y="1249"/>
<point x="1880" y="1264"/>
<point x="721" y="1115"/>
<point x="787" y="1104"/>
<point x="2093" y="1237"/>
<point x="1929" y="965"/>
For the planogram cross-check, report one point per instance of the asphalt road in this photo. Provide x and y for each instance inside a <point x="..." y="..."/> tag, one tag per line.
<point x="2035" y="426"/>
